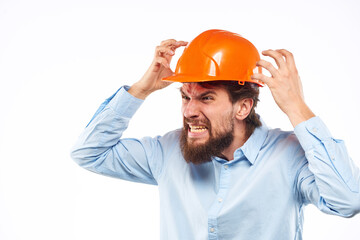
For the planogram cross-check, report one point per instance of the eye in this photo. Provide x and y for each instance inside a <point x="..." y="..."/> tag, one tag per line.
<point x="185" y="97"/>
<point x="207" y="98"/>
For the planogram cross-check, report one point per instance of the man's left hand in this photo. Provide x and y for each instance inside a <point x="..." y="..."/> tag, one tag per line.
<point x="285" y="85"/>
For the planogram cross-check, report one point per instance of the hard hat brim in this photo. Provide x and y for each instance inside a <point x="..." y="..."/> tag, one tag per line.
<point x="188" y="79"/>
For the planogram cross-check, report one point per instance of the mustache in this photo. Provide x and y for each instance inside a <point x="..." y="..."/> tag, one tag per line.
<point x="204" y="121"/>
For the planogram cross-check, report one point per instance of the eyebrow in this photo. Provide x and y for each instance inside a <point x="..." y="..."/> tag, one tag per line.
<point x="201" y="95"/>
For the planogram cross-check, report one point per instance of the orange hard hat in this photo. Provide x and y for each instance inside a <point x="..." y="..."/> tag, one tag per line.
<point x="217" y="55"/>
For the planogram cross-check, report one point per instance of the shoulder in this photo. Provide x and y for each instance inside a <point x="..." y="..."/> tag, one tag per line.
<point x="283" y="150"/>
<point x="172" y="135"/>
<point x="283" y="139"/>
<point x="167" y="143"/>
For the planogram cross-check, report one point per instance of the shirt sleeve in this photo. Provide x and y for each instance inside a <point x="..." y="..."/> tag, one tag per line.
<point x="101" y="149"/>
<point x="329" y="178"/>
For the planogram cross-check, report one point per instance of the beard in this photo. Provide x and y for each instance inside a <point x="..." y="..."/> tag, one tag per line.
<point x="214" y="146"/>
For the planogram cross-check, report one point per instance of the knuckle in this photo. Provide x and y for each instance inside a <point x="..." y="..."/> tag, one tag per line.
<point x="277" y="55"/>
<point x="277" y="52"/>
<point x="286" y="52"/>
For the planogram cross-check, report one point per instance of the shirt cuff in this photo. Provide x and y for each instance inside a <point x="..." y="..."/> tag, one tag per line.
<point x="123" y="103"/>
<point x="311" y="133"/>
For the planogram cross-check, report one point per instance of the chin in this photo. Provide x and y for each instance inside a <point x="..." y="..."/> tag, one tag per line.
<point x="197" y="141"/>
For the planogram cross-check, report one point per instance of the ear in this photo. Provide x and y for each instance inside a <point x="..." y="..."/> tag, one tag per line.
<point x="243" y="108"/>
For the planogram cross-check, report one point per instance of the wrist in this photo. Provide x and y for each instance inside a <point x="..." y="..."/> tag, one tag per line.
<point x="299" y="114"/>
<point x="139" y="92"/>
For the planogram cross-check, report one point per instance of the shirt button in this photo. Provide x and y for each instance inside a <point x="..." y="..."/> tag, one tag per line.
<point x="314" y="129"/>
<point x="226" y="167"/>
<point x="212" y="230"/>
<point x="220" y="200"/>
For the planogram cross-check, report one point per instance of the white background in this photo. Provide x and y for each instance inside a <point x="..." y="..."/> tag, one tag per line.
<point x="60" y="59"/>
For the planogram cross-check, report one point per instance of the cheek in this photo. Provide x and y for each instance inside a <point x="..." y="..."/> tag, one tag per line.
<point x="183" y="107"/>
<point x="222" y="121"/>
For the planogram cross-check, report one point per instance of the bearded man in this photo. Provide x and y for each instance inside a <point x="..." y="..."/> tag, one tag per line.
<point x="225" y="174"/>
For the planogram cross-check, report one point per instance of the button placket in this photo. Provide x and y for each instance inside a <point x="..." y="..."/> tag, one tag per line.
<point x="218" y="201"/>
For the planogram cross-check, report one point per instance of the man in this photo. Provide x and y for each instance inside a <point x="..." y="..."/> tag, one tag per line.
<point x="225" y="175"/>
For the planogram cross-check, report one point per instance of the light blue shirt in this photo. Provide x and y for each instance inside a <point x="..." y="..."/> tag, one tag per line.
<point x="260" y="194"/>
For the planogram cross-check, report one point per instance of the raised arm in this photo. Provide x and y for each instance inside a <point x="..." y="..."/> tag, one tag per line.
<point x="328" y="177"/>
<point x="101" y="148"/>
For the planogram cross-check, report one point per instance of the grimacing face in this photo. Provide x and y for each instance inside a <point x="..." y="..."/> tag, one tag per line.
<point x="208" y="122"/>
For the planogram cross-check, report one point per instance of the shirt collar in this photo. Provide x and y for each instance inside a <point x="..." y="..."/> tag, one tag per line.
<point x="253" y="145"/>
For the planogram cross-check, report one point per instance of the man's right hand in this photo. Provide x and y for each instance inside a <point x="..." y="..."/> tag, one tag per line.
<point x="159" y="68"/>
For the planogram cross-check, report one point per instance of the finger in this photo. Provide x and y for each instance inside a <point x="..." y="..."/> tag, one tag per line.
<point x="162" y="61"/>
<point x="162" y="50"/>
<point x="177" y="45"/>
<point x="268" y="66"/>
<point x="168" y="42"/>
<point x="280" y="62"/>
<point x="289" y="57"/>
<point x="181" y="43"/>
<point x="173" y="43"/>
<point x="261" y="77"/>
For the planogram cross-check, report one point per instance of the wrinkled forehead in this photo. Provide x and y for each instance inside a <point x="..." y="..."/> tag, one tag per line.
<point x="195" y="89"/>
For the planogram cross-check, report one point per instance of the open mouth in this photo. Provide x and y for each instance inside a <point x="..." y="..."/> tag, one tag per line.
<point x="197" y="129"/>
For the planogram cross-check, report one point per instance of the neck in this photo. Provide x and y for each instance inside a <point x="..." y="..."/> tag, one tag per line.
<point x="240" y="137"/>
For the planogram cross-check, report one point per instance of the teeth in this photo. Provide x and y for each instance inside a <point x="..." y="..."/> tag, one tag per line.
<point x="197" y="128"/>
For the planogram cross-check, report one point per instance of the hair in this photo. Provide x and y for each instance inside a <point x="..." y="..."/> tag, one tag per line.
<point x="238" y="92"/>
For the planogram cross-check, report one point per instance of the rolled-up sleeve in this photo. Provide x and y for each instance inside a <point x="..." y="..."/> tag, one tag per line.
<point x="330" y="179"/>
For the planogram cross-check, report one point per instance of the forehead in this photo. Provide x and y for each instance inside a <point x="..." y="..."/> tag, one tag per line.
<point x="195" y="89"/>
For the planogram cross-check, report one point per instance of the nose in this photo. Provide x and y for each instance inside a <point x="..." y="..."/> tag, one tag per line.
<point x="191" y="109"/>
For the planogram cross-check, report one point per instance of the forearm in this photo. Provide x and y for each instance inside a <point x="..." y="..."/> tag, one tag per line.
<point x="299" y="113"/>
<point x="139" y="91"/>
